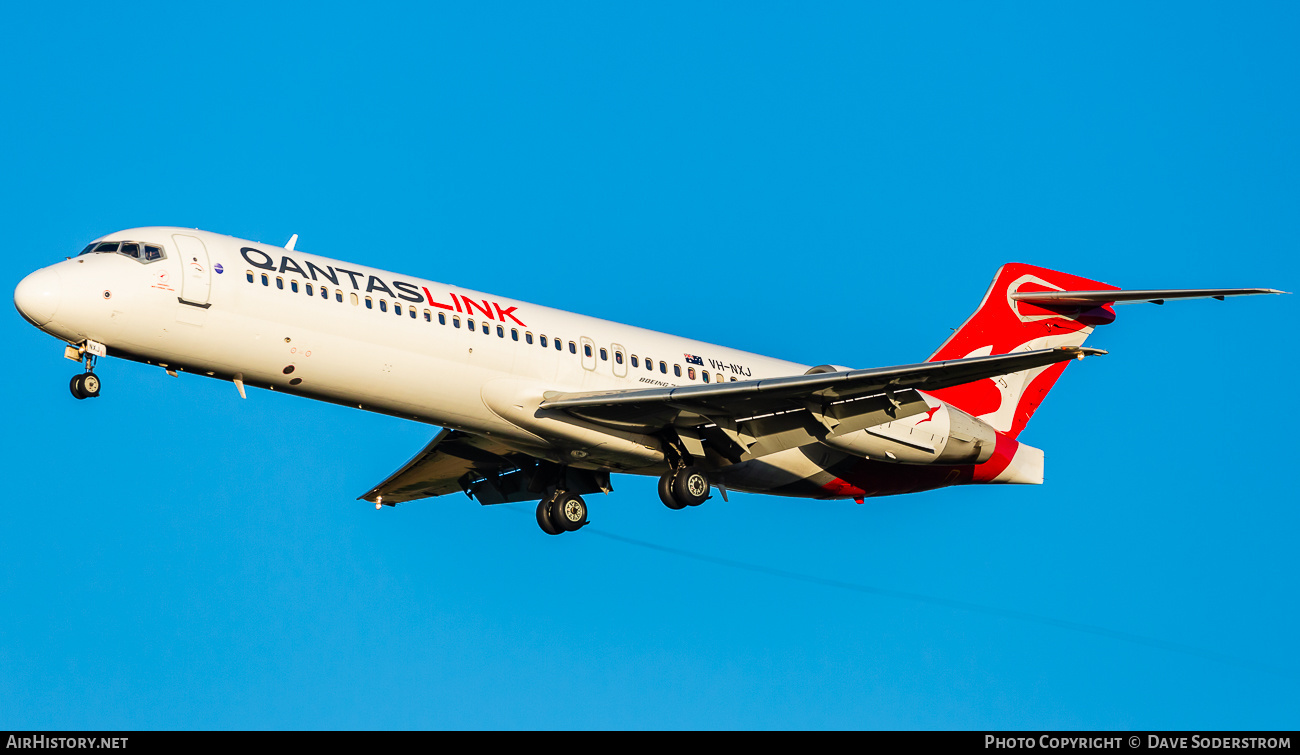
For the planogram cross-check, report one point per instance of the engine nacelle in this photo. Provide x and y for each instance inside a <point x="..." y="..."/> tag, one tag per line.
<point x="922" y="430"/>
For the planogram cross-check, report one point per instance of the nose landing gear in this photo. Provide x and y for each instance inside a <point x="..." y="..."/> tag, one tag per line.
<point x="85" y="385"/>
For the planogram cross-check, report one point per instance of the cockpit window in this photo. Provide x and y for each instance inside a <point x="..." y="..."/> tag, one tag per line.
<point x="132" y="249"/>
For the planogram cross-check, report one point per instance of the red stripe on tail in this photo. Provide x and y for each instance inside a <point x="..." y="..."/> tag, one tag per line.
<point x="1003" y="326"/>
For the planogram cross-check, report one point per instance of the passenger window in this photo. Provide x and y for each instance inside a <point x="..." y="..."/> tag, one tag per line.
<point x="528" y="338"/>
<point x="411" y="310"/>
<point x="131" y="250"/>
<point x="338" y="295"/>
<point x="455" y="321"/>
<point x="677" y="370"/>
<point x="311" y="291"/>
<point x="279" y="283"/>
<point x="152" y="253"/>
<point x="618" y="357"/>
<point x="573" y="347"/>
<point x="704" y="374"/>
<point x="542" y="341"/>
<point x="428" y="316"/>
<point x="501" y="332"/>
<point x="487" y="329"/>
<point x="690" y="372"/>
<point x="514" y="335"/>
<point x="249" y="275"/>
<point x="293" y="286"/>
<point x="370" y="304"/>
<point x="586" y="349"/>
<point x="635" y="363"/>
<point x="663" y="367"/>
<point x="469" y="323"/>
<point x="355" y="301"/>
<point x="266" y="279"/>
<point x="733" y="378"/>
<point x="383" y="307"/>
<point x="442" y="319"/>
<point x="604" y="355"/>
<point x="558" y="345"/>
<point x="324" y="293"/>
<point x="397" y="309"/>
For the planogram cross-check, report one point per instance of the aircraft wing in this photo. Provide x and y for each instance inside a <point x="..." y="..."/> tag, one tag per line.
<point x="654" y="408"/>
<point x="457" y="461"/>
<point x="449" y="464"/>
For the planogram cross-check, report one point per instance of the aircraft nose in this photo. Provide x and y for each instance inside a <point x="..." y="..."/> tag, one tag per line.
<point x="37" y="296"/>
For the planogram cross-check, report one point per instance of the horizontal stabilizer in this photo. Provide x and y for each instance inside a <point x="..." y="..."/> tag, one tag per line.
<point x="1155" y="295"/>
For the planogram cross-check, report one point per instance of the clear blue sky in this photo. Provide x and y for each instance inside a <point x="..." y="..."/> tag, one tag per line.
<point x="824" y="183"/>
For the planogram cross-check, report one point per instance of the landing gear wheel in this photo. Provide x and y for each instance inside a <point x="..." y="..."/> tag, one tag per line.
<point x="666" y="492"/>
<point x="544" y="518"/>
<point x="85" y="385"/>
<point x="568" y="512"/>
<point x="690" y="486"/>
<point x="90" y="384"/>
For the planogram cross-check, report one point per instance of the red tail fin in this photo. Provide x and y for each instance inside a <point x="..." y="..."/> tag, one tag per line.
<point x="1004" y="326"/>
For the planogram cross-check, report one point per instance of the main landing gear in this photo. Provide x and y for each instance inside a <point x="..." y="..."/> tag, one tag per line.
<point x="85" y="385"/>
<point x="682" y="487"/>
<point x="561" y="512"/>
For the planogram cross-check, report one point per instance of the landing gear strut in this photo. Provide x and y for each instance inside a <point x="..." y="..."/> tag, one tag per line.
<point x="85" y="385"/>
<point x="561" y="512"/>
<point x="687" y="486"/>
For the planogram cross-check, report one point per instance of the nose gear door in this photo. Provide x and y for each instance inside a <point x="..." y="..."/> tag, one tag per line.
<point x="196" y="272"/>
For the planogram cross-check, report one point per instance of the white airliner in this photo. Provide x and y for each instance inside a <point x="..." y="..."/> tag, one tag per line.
<point x="538" y="404"/>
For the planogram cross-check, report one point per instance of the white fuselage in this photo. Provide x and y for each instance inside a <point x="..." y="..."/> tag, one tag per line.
<point x="280" y="319"/>
<point x="376" y="340"/>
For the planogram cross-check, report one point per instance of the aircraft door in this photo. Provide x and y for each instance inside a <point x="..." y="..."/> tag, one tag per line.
<point x="588" y="351"/>
<point x="196" y="272"/>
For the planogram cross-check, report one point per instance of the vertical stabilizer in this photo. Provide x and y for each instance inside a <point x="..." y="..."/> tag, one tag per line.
<point x="1002" y="325"/>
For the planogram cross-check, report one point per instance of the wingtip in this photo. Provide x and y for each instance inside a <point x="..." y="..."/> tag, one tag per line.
<point x="1080" y="352"/>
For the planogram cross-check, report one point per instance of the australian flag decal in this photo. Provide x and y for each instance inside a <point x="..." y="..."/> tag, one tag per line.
<point x="694" y="360"/>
